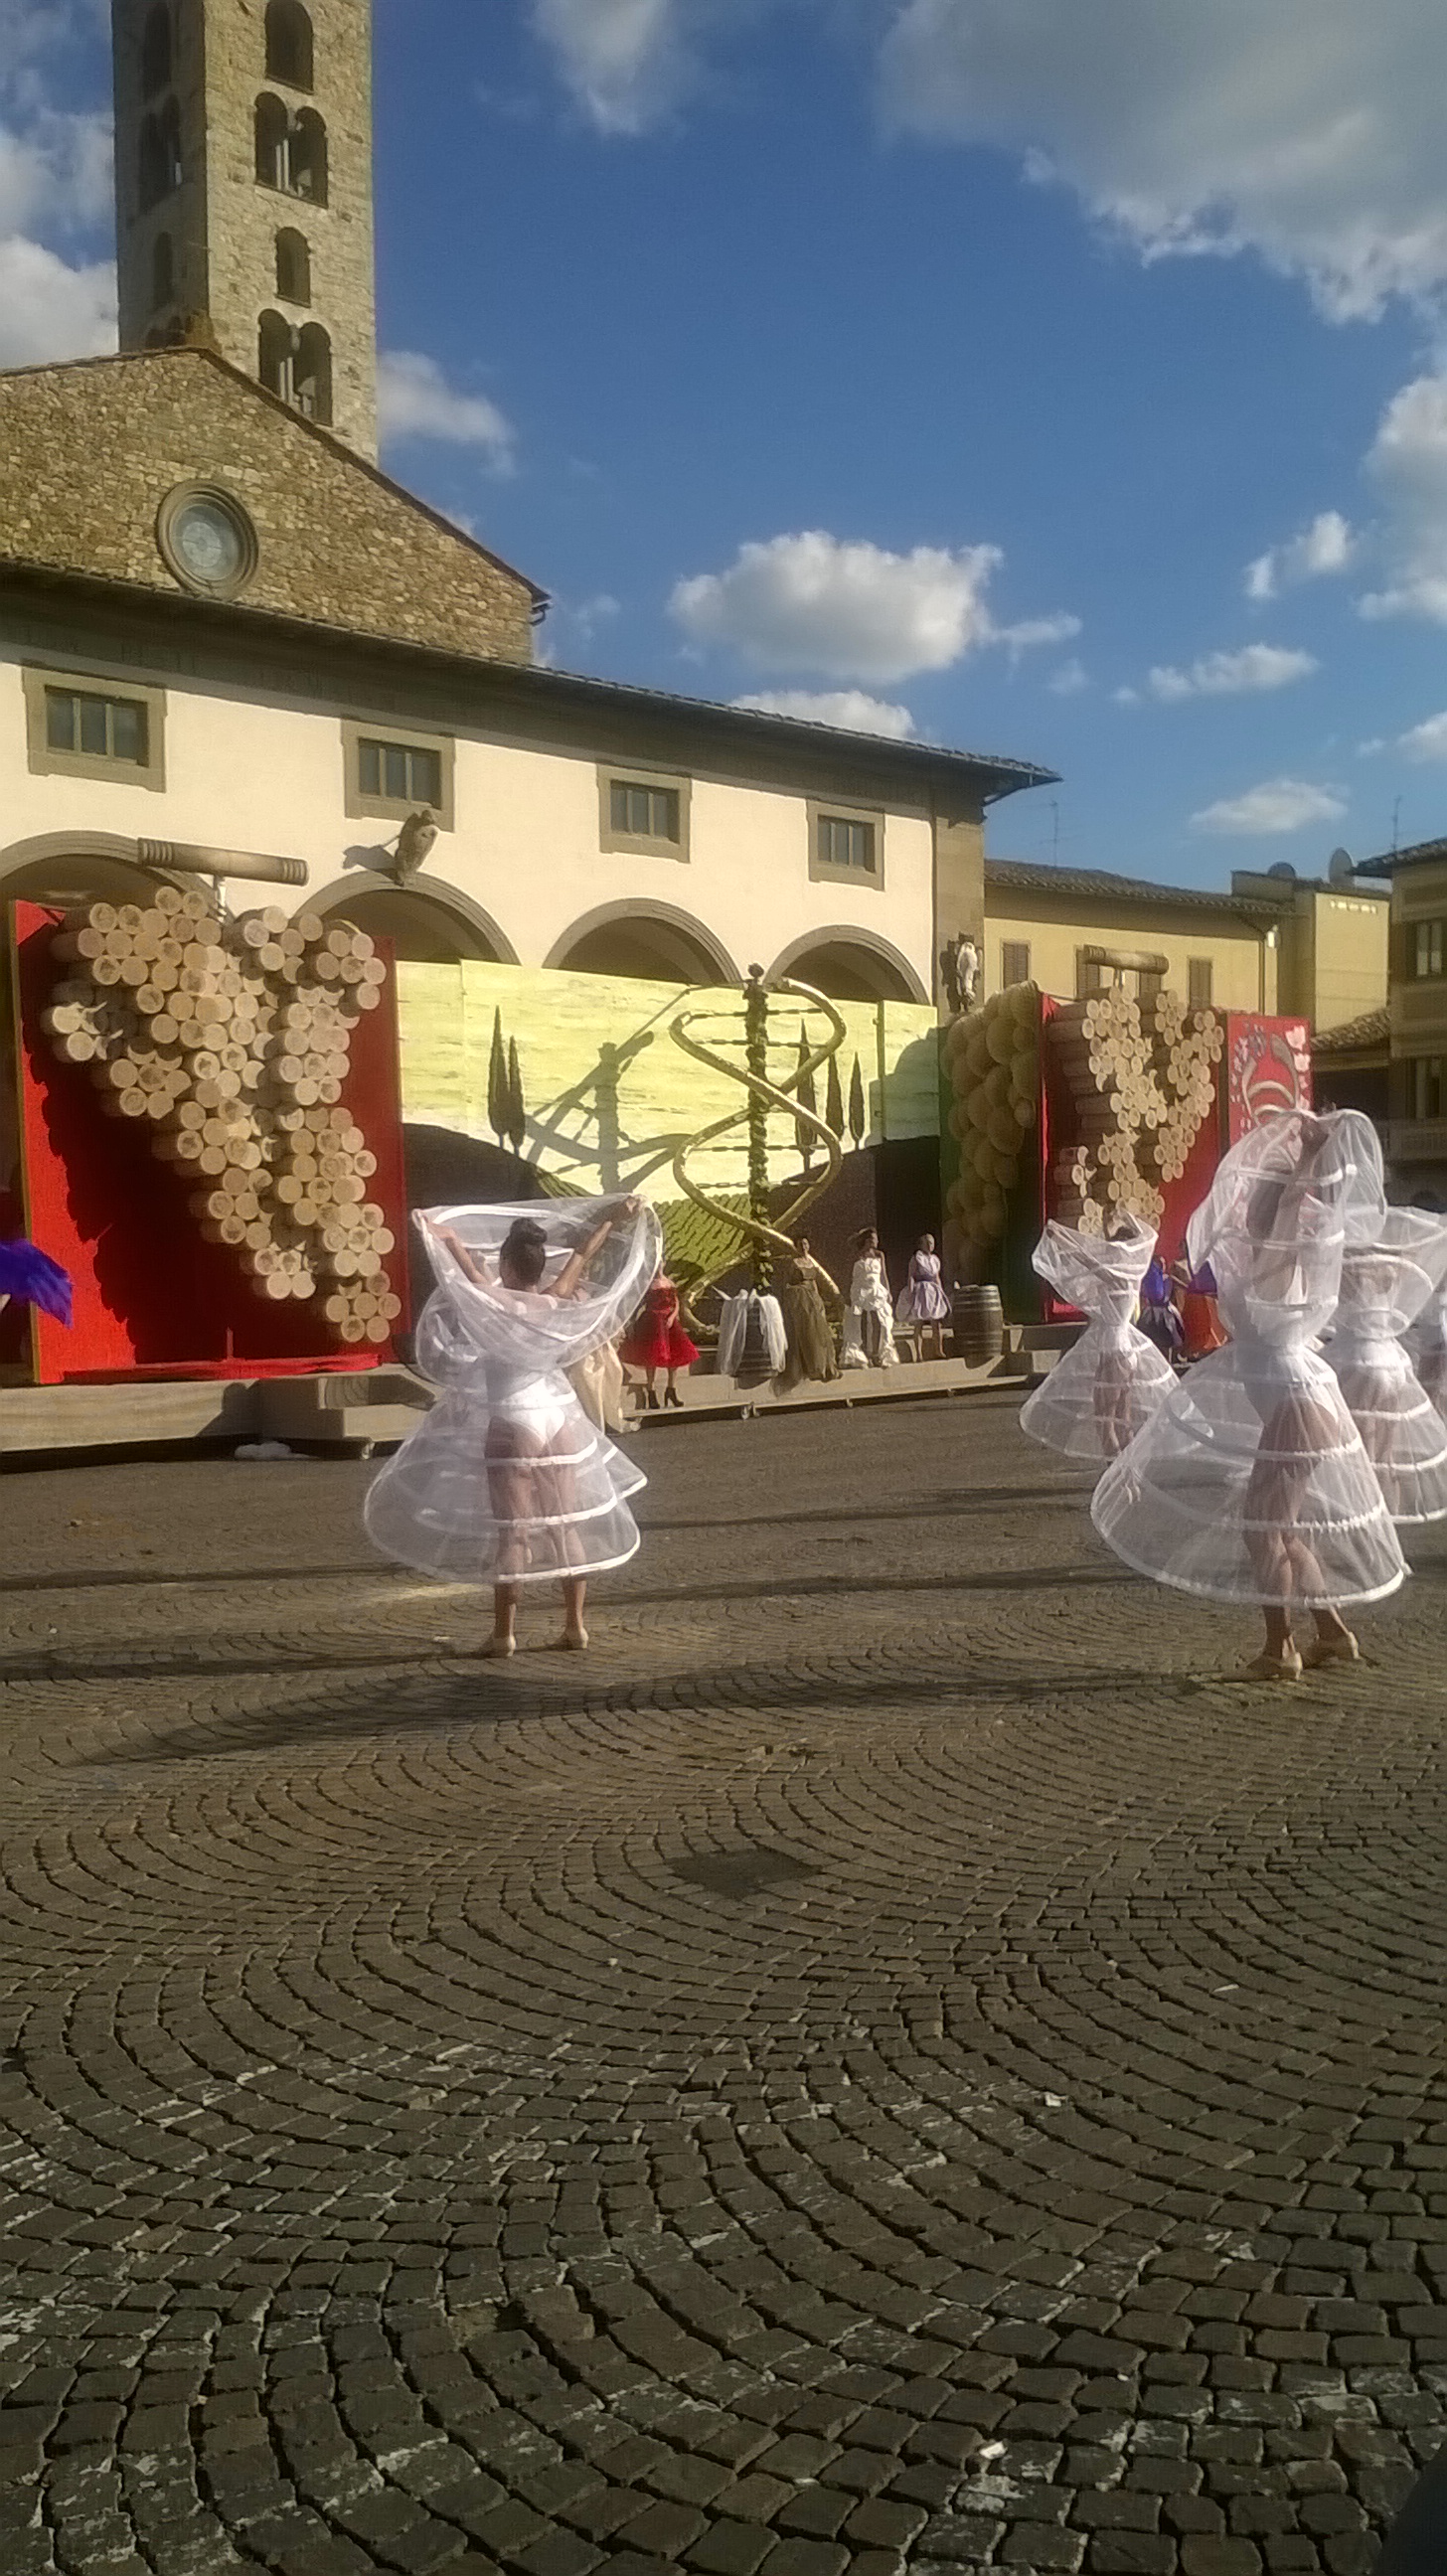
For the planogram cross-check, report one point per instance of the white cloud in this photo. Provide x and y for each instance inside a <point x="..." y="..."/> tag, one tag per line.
<point x="415" y="400"/>
<point x="1408" y="464"/>
<point x="1278" y="805"/>
<point x="1034" y="631"/>
<point x="625" y="61"/>
<point x="1426" y="741"/>
<point x="850" y="610"/>
<point x="1307" y="130"/>
<point x="1327" y="546"/>
<point x="853" y="710"/>
<point x="1070" y="679"/>
<point x="49" y="311"/>
<point x="1255" y="668"/>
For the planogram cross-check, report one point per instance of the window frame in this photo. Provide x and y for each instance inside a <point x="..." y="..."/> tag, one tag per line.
<point x="1013" y="949"/>
<point x="643" y="845"/>
<point x="43" y="761"/>
<point x="1198" y="968"/>
<point x="822" y="871"/>
<point x="359" y="806"/>
<point x="1422" y="1081"/>
<point x="1422" y="930"/>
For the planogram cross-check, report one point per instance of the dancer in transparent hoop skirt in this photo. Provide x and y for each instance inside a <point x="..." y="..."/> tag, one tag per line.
<point x="507" y="1481"/>
<point x="1385" y="1286"/>
<point x="1108" y="1385"/>
<point x="1251" y="1483"/>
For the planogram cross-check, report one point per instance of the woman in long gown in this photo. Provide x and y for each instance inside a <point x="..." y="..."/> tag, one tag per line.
<point x="1112" y="1380"/>
<point x="869" y="1315"/>
<point x="1251" y="1483"/>
<point x="810" y="1336"/>
<point x="507" y="1481"/>
<point x="922" y="1301"/>
<point x="1385" y="1285"/>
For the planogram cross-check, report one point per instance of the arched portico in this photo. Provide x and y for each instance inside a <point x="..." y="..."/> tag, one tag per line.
<point x="655" y="942"/>
<point x="429" y="923"/>
<point x="851" y="965"/>
<point x="78" y="867"/>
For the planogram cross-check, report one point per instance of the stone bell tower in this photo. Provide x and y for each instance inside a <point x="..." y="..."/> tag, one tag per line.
<point x="244" y="193"/>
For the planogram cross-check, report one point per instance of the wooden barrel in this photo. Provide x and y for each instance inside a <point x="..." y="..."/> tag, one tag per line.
<point x="979" y="1325"/>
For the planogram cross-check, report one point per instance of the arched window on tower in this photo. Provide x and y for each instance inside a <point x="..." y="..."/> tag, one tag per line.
<point x="159" y="160"/>
<point x="293" y="269"/>
<point x="156" y="63"/>
<point x="273" y="134"/>
<point x="309" y="157"/>
<point x="274" y="356"/>
<point x="312" y="374"/>
<point x="290" y="53"/>
<point x="163" y="272"/>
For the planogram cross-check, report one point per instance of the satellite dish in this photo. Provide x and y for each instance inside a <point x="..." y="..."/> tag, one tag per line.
<point x="1283" y="868"/>
<point x="1339" y="868"/>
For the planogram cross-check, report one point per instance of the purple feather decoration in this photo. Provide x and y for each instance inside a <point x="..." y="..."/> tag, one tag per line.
<point x="33" y="1279"/>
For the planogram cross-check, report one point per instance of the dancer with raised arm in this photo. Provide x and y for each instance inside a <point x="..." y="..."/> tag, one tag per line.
<point x="507" y="1481"/>
<point x="1385" y="1285"/>
<point x="1251" y="1483"/>
<point x="1107" y="1386"/>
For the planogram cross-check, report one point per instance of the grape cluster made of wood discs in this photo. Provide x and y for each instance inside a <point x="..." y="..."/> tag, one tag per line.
<point x="231" y="1039"/>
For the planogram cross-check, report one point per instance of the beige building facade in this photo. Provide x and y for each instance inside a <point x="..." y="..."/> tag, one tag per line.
<point x="1332" y="939"/>
<point x="1073" y="931"/>
<point x="1417" y="1016"/>
<point x="349" y="691"/>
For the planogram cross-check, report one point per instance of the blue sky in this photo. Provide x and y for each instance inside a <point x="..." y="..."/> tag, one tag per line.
<point x="1064" y="378"/>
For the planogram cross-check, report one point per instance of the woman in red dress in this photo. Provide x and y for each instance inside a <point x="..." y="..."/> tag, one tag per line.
<point x="656" y="1340"/>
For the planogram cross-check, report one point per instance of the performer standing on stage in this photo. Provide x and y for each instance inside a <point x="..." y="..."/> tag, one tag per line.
<point x="869" y="1315"/>
<point x="1385" y="1285"/>
<point x="922" y="1300"/>
<point x="810" y="1335"/>
<point x="1251" y="1482"/>
<point x="656" y="1340"/>
<point x="1108" y="1385"/>
<point x="506" y="1480"/>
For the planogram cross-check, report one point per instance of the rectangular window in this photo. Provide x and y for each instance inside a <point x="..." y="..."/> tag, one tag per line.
<point x="1198" y="982"/>
<point x="641" y="813"/>
<point x="1427" y="948"/>
<point x="846" y="847"/>
<point x="1427" y="1086"/>
<point x="402" y="772"/>
<point x="645" y="812"/>
<point x="1090" y="975"/>
<point x="79" y="727"/>
<point x="846" y="844"/>
<point x="1014" y="961"/>
<point x="391" y="775"/>
<point x="109" y="729"/>
<point x="1150" y="980"/>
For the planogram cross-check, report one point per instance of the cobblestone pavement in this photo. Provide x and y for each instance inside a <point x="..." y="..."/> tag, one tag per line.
<point x="888" y="2065"/>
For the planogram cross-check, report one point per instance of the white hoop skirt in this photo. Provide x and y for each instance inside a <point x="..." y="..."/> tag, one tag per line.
<point x="1427" y="1349"/>
<point x="507" y="1480"/>
<point x="1384" y="1287"/>
<point x="1105" y="1389"/>
<point x="1251" y="1483"/>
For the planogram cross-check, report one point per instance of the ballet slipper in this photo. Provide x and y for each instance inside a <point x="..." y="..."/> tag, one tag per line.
<point x="1271" y="1668"/>
<point x="1331" y="1650"/>
<point x="499" y="1648"/>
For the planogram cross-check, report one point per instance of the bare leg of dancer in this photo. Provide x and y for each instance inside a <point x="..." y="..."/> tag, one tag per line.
<point x="503" y="1640"/>
<point x="574" y="1590"/>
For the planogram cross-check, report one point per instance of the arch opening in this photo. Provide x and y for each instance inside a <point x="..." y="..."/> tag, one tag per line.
<point x="644" y="946"/>
<point x="428" y="925"/>
<point x="312" y="374"/>
<point x="293" y="268"/>
<point x="157" y="67"/>
<point x="159" y="170"/>
<point x="273" y="132"/>
<point x="290" y="44"/>
<point x="848" y="969"/>
<point x="308" y="158"/>
<point x="274" y="355"/>
<point x="163" y="271"/>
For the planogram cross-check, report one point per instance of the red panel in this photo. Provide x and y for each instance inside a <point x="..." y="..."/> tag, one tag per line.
<point x="152" y="1298"/>
<point x="1267" y="1068"/>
